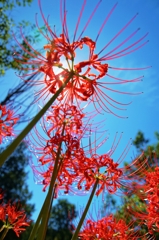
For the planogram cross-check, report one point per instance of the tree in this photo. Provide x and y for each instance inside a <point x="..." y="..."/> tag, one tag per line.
<point x="140" y="142"/>
<point x="9" y="50"/>
<point x="60" y="223"/>
<point x="13" y="178"/>
<point x="7" y="42"/>
<point x="13" y="182"/>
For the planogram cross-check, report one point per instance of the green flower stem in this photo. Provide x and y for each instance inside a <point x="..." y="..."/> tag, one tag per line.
<point x="4" y="233"/>
<point x="75" y="235"/>
<point x="40" y="226"/>
<point x="6" y="153"/>
<point x="45" y="217"/>
<point x="33" y="233"/>
<point x="37" y="225"/>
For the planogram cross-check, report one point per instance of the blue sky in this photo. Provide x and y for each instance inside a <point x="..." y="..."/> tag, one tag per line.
<point x="143" y="113"/>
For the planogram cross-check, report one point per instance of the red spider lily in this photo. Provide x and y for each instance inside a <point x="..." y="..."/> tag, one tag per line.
<point x="149" y="218"/>
<point x="150" y="193"/>
<point x="13" y="218"/>
<point x="107" y="229"/>
<point x="85" y="84"/>
<point x="151" y="187"/>
<point x="76" y="168"/>
<point x="1" y="194"/>
<point x="146" y="187"/>
<point x="67" y="166"/>
<point x="90" y="170"/>
<point x="2" y="213"/>
<point x="68" y="115"/>
<point x="66" y="127"/>
<point x="7" y="121"/>
<point x="102" y="167"/>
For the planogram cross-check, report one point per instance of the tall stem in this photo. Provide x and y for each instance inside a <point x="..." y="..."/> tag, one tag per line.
<point x="6" y="153"/>
<point x="40" y="226"/>
<point x="4" y="233"/>
<point x="75" y="235"/>
<point x="45" y="218"/>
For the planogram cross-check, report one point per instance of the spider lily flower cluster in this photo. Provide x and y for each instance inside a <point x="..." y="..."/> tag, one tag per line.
<point x="147" y="191"/>
<point x="107" y="228"/>
<point x="66" y="126"/>
<point x="78" y="168"/>
<point x="7" y="121"/>
<point x="63" y="161"/>
<point x="12" y="216"/>
<point x="151" y="217"/>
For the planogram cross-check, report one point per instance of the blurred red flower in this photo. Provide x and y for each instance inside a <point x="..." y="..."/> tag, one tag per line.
<point x="7" y="121"/>
<point x="13" y="217"/>
<point x="107" y="229"/>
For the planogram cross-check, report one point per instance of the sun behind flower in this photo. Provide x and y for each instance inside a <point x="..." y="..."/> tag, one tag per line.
<point x="85" y="84"/>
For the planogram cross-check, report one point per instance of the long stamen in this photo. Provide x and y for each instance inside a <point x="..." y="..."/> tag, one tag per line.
<point x="128" y="38"/>
<point x="105" y="21"/>
<point x="46" y="23"/>
<point x="125" y="49"/>
<point x="89" y="20"/>
<point x="79" y="18"/>
<point x="117" y="34"/>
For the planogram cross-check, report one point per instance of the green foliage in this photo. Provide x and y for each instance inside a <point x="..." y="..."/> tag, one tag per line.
<point x="13" y="182"/>
<point x="13" y="178"/>
<point x="142" y="144"/>
<point x="11" y="53"/>
<point x="132" y="202"/>
<point x="140" y="141"/>
<point x="60" y="222"/>
<point x="9" y="5"/>
<point x="7" y="43"/>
